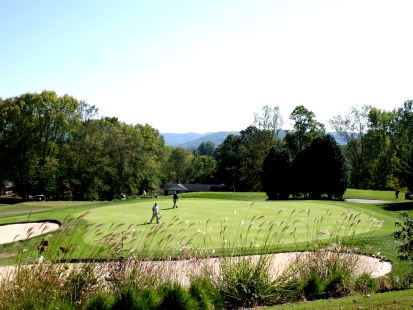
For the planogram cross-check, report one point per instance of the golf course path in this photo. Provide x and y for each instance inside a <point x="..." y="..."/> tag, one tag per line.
<point x="367" y="200"/>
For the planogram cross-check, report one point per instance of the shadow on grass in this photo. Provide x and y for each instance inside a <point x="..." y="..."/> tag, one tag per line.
<point x="406" y="206"/>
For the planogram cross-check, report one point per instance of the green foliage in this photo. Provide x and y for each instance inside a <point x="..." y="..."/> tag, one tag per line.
<point x="246" y="282"/>
<point x="174" y="296"/>
<point x="276" y="172"/>
<point x="100" y="301"/>
<point x="56" y="146"/>
<point x="339" y="284"/>
<point x="365" y="284"/>
<point x="229" y="162"/>
<point x="206" y="294"/>
<point x="206" y="149"/>
<point x="313" y="287"/>
<point x="351" y="128"/>
<point x="179" y="165"/>
<point x="318" y="170"/>
<point x="405" y="235"/>
<point x="327" y="168"/>
<point x="306" y="129"/>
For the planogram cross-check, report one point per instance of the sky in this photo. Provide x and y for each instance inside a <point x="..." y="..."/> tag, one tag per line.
<point x="206" y="66"/>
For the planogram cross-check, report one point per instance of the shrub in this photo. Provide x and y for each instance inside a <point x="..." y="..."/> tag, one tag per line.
<point x="405" y="234"/>
<point x="388" y="283"/>
<point x="339" y="284"/>
<point x="147" y="299"/>
<point x="125" y="300"/>
<point x="246" y="282"/>
<point x="135" y="299"/>
<point x="365" y="284"/>
<point x="313" y="287"/>
<point x="174" y="296"/>
<point x="100" y="301"/>
<point x="206" y="294"/>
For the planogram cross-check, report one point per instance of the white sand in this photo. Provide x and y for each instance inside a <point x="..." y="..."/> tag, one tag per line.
<point x="15" y="232"/>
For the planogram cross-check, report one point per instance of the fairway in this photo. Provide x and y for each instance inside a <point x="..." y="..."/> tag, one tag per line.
<point x="214" y="223"/>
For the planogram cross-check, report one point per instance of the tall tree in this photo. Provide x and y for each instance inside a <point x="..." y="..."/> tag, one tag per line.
<point x="381" y="149"/>
<point x="33" y="127"/>
<point x="228" y="155"/>
<point x="179" y="165"/>
<point x="202" y="169"/>
<point x="352" y="128"/>
<point x="276" y="174"/>
<point x="206" y="148"/>
<point x="255" y="144"/>
<point x="328" y="172"/>
<point x="305" y="129"/>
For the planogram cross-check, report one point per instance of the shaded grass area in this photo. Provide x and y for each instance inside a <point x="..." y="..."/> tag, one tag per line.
<point x="373" y="194"/>
<point x="397" y="300"/>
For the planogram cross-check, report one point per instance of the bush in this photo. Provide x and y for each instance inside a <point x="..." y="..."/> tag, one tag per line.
<point x="206" y="294"/>
<point x="246" y="282"/>
<point x="100" y="301"/>
<point x="147" y="299"/>
<point x="365" y="284"/>
<point x="125" y="300"/>
<point x="339" y="284"/>
<point x="174" y="296"/>
<point x="313" y="288"/>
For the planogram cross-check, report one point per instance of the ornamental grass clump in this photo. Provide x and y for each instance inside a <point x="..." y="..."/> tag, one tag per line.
<point x="245" y="279"/>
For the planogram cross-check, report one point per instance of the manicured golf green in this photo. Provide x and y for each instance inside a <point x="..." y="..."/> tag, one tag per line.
<point x="214" y="223"/>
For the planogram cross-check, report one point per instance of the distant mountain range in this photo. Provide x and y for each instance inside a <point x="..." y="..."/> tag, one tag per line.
<point x="193" y="140"/>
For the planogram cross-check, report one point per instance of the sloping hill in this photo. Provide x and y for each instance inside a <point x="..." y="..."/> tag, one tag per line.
<point x="216" y="137"/>
<point x="174" y="139"/>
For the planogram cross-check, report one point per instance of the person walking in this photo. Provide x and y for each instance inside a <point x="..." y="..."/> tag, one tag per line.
<point x="155" y="213"/>
<point x="175" y="200"/>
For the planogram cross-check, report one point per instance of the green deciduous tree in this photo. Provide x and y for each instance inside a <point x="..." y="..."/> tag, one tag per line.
<point x="202" y="169"/>
<point x="327" y="169"/>
<point x="305" y="129"/>
<point x="352" y="128"/>
<point x="381" y="148"/>
<point x="228" y="155"/>
<point x="33" y="126"/>
<point x="178" y="167"/>
<point x="206" y="148"/>
<point x="276" y="174"/>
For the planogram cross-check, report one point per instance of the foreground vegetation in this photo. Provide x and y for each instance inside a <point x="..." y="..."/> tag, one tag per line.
<point x="117" y="274"/>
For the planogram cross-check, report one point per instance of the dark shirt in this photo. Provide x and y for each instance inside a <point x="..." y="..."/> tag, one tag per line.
<point x="175" y="196"/>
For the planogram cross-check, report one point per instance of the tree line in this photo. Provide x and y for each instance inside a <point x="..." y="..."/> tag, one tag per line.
<point x="60" y="147"/>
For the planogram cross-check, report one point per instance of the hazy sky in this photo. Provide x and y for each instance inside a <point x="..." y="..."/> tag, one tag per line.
<point x="203" y="66"/>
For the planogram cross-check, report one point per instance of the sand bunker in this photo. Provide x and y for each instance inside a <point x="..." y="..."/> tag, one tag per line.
<point x="15" y="232"/>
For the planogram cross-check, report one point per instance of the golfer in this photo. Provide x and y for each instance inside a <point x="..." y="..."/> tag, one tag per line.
<point x="155" y="213"/>
<point x="175" y="200"/>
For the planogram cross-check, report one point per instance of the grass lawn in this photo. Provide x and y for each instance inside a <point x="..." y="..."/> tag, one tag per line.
<point x="398" y="300"/>
<point x="214" y="220"/>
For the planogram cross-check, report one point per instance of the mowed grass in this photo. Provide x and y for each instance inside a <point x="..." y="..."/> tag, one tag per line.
<point x="397" y="300"/>
<point x="215" y="223"/>
<point x="207" y="220"/>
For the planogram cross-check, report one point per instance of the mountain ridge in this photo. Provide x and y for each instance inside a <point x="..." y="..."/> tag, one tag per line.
<point x="193" y="140"/>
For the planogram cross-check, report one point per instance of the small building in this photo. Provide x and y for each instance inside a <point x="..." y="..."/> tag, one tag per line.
<point x="170" y="188"/>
